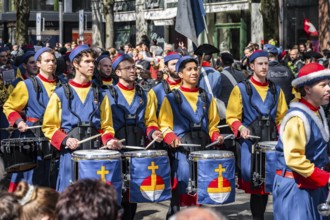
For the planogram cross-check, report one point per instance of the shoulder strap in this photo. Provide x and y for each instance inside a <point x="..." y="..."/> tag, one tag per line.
<point x="67" y="91"/>
<point x="139" y="90"/>
<point x="272" y="87"/>
<point x="203" y="94"/>
<point x="177" y="96"/>
<point x="166" y="86"/>
<point x="35" y="84"/>
<point x="207" y="81"/>
<point x="230" y="77"/>
<point x="247" y="87"/>
<point x="113" y="92"/>
<point x="96" y="92"/>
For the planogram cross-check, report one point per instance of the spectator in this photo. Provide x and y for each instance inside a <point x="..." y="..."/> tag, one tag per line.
<point x="10" y="209"/>
<point x="36" y="202"/>
<point x="196" y="213"/>
<point x="87" y="200"/>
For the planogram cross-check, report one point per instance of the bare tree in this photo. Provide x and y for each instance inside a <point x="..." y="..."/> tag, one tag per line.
<point x="109" y="22"/>
<point x="22" y="21"/>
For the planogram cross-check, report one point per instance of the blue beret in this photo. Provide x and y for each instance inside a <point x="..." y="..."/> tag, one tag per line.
<point x="76" y="51"/>
<point x="171" y="56"/>
<point x="186" y="59"/>
<point x="119" y="58"/>
<point x="27" y="55"/>
<point x="98" y="60"/>
<point x="270" y="49"/>
<point x="41" y="51"/>
<point x="2" y="49"/>
<point x="256" y="54"/>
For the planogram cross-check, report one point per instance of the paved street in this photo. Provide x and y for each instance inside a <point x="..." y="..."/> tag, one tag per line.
<point x="239" y="210"/>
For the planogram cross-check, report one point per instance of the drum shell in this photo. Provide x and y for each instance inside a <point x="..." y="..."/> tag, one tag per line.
<point x="214" y="173"/>
<point x="19" y="154"/>
<point x="46" y="150"/>
<point x="142" y="167"/>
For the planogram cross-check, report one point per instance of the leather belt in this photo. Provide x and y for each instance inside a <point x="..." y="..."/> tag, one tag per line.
<point x="287" y="174"/>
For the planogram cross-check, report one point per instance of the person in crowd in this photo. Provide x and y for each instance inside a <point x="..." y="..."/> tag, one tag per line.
<point x="103" y="73"/>
<point x="255" y="107"/>
<point x="10" y="208"/>
<point x="294" y="62"/>
<point x="302" y="167"/>
<point x="88" y="199"/>
<point x="197" y="213"/>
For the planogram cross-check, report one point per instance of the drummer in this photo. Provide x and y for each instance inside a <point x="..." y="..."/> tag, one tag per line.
<point x="128" y="103"/>
<point x="302" y="175"/>
<point x="191" y="116"/>
<point x="71" y="113"/>
<point x="255" y="107"/>
<point x="26" y="97"/>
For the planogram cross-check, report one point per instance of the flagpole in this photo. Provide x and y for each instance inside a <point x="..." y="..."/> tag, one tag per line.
<point x="209" y="38"/>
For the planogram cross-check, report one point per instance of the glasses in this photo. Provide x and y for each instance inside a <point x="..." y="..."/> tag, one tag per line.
<point x="127" y="68"/>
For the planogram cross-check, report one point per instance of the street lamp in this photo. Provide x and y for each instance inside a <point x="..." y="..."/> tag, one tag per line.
<point x="60" y="14"/>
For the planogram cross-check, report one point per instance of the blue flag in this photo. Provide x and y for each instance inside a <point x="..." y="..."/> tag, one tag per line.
<point x="189" y="19"/>
<point x="216" y="181"/>
<point x="150" y="179"/>
<point x="108" y="171"/>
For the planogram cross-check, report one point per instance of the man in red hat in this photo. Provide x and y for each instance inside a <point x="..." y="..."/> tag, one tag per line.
<point x="302" y="176"/>
<point x="255" y="108"/>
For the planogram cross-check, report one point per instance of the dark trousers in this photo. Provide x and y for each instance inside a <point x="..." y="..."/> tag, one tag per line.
<point x="258" y="205"/>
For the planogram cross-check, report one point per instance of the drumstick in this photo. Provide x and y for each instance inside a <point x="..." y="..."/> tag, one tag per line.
<point x="33" y="127"/>
<point x="216" y="142"/>
<point x="133" y="147"/>
<point x="252" y="136"/>
<point x="153" y="141"/>
<point x="189" y="145"/>
<point x="222" y="126"/>
<point x="8" y="129"/>
<point x="87" y="139"/>
<point x="106" y="147"/>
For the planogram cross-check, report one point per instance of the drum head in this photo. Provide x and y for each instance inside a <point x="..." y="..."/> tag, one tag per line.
<point x="95" y="154"/>
<point x="266" y="145"/>
<point x="210" y="154"/>
<point x="146" y="153"/>
<point x="17" y="141"/>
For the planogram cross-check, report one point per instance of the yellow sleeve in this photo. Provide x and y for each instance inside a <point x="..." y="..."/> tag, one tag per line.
<point x="282" y="108"/>
<point x="294" y="143"/>
<point x="151" y="110"/>
<point x="165" y="117"/>
<point x="106" y="117"/>
<point x="234" y="111"/>
<point x="214" y="118"/>
<point x="52" y="118"/>
<point x="16" y="102"/>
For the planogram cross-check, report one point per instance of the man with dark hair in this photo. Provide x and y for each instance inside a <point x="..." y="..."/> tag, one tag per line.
<point x="255" y="107"/>
<point x="32" y="95"/>
<point x="279" y="74"/>
<point x="302" y="166"/>
<point x="76" y="111"/>
<point x="88" y="200"/>
<point x="190" y="115"/>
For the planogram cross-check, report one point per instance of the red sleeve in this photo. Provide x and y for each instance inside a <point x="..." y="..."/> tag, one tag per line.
<point x="169" y="137"/>
<point x="58" y="138"/>
<point x="318" y="179"/>
<point x="107" y="137"/>
<point x="215" y="136"/>
<point x="13" y="117"/>
<point x="235" y="126"/>
<point x="150" y="129"/>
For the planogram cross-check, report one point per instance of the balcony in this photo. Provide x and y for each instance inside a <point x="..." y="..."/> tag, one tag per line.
<point x="124" y="6"/>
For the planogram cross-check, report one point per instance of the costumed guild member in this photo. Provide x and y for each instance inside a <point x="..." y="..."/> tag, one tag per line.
<point x="103" y="72"/>
<point x="302" y="171"/>
<point x="75" y="111"/>
<point x="190" y="113"/>
<point x="255" y="107"/>
<point x="32" y="96"/>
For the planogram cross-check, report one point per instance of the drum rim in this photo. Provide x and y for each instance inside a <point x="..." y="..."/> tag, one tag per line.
<point x="107" y="154"/>
<point x="266" y="145"/>
<point x="145" y="153"/>
<point x="211" y="154"/>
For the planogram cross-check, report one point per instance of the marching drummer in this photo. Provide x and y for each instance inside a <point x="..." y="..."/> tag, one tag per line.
<point x="302" y="171"/>
<point x="128" y="103"/>
<point x="34" y="101"/>
<point x="255" y="107"/>
<point x="191" y="116"/>
<point x="75" y="110"/>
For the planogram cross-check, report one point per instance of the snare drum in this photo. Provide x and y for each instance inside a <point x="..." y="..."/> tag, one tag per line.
<point x="148" y="173"/>
<point x="46" y="149"/>
<point x="19" y="154"/>
<point x="104" y="165"/>
<point x="214" y="173"/>
<point x="263" y="164"/>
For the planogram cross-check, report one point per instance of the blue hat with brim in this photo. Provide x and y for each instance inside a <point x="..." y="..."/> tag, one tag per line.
<point x="184" y="59"/>
<point x="119" y="58"/>
<point x="270" y="49"/>
<point x="256" y="54"/>
<point x="41" y="51"/>
<point x="171" y="56"/>
<point x="3" y="49"/>
<point x="98" y="60"/>
<point x="76" y="51"/>
<point x="27" y="55"/>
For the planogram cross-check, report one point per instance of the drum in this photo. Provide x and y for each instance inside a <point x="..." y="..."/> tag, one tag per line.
<point x="46" y="150"/>
<point x="104" y="165"/>
<point x="147" y="176"/>
<point x="263" y="165"/>
<point x="19" y="154"/>
<point x="212" y="176"/>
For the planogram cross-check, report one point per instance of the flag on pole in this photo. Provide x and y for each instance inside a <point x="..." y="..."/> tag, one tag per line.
<point x="190" y="19"/>
<point x="309" y="28"/>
